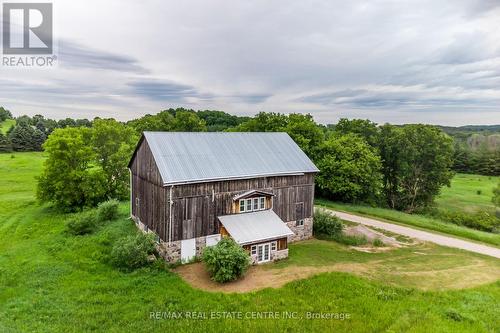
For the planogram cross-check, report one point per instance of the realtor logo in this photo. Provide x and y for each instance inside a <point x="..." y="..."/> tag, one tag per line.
<point x="27" y="28"/>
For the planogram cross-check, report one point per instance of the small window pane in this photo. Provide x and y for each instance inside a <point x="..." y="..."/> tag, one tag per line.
<point x="273" y="246"/>
<point x="242" y="205"/>
<point x="262" y="202"/>
<point x="249" y="205"/>
<point x="255" y="203"/>
<point x="254" y="249"/>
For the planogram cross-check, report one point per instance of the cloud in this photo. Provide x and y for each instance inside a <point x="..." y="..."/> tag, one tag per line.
<point x="83" y="56"/>
<point x="388" y="60"/>
<point x="468" y="48"/>
<point x="165" y="91"/>
<point x="416" y="97"/>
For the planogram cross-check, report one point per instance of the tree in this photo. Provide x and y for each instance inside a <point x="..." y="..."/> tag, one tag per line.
<point x="5" y="145"/>
<point x="188" y="121"/>
<point x="301" y="128"/>
<point x="217" y="121"/>
<point x="68" y="122"/>
<point x="83" y="123"/>
<point x="26" y="138"/>
<point x="305" y="132"/>
<point x="179" y="120"/>
<point x="113" y="144"/>
<point x="263" y="122"/>
<point x="68" y="178"/>
<point x="4" y="114"/>
<point x="416" y="163"/>
<point x="349" y="169"/>
<point x="362" y="127"/>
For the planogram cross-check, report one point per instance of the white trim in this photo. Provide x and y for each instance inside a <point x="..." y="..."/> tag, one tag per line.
<point x="251" y="201"/>
<point x="263" y="246"/>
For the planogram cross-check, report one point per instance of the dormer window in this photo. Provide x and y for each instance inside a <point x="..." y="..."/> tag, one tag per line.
<point x="252" y="201"/>
<point x="252" y="204"/>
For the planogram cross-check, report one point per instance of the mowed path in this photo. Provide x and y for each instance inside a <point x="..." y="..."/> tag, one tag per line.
<point x="419" y="234"/>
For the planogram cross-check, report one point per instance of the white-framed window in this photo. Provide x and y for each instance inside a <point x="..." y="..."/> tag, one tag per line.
<point x="252" y="204"/>
<point x="300" y="223"/>
<point x="273" y="246"/>
<point x="253" y="250"/>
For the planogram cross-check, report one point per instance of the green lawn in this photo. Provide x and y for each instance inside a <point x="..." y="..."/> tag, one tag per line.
<point x="463" y="193"/>
<point x="5" y="125"/>
<point x="53" y="282"/>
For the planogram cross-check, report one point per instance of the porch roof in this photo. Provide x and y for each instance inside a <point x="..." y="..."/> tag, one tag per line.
<point x="247" y="228"/>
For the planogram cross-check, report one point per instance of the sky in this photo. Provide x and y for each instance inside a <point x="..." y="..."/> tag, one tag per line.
<point x="411" y="61"/>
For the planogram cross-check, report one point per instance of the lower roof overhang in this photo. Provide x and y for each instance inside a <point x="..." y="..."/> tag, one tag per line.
<point x="254" y="227"/>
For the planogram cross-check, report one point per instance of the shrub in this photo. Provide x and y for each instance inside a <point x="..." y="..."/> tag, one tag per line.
<point x="226" y="261"/>
<point x="326" y="224"/>
<point x="480" y="220"/>
<point x="377" y="242"/>
<point x="132" y="252"/>
<point x="108" y="210"/>
<point x="82" y="224"/>
<point x="478" y="192"/>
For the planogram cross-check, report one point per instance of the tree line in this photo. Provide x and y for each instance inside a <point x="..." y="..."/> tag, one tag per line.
<point x="400" y="167"/>
<point x="29" y="133"/>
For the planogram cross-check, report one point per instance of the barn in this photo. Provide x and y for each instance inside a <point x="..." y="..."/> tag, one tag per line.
<point x="191" y="189"/>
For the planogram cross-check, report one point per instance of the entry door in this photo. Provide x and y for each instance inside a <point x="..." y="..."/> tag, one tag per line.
<point x="188" y="249"/>
<point x="263" y="252"/>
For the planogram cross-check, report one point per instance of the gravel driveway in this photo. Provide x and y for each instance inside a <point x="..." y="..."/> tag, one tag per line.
<point x="421" y="235"/>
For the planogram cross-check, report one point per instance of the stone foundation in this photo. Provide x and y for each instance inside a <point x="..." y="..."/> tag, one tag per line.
<point x="172" y="252"/>
<point x="301" y="232"/>
<point x="280" y="254"/>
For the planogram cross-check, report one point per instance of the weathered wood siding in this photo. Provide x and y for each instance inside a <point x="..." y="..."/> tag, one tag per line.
<point x="149" y="197"/>
<point x="196" y="206"/>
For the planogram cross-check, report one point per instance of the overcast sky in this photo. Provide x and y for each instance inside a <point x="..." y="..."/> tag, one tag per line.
<point x="427" y="61"/>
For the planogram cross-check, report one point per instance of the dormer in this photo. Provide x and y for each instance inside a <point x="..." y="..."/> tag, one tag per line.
<point x="252" y="201"/>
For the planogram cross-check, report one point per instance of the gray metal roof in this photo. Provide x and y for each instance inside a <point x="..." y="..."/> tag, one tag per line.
<point x="191" y="157"/>
<point x="246" y="228"/>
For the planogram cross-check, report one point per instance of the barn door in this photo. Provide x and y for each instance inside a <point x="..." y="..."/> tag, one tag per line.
<point x="188" y="249"/>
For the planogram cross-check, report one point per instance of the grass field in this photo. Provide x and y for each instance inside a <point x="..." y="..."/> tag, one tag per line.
<point x="415" y="220"/>
<point x="5" y="125"/>
<point x="53" y="282"/>
<point x="463" y="194"/>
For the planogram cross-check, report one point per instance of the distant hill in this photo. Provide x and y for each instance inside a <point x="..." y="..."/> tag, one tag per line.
<point x="475" y="136"/>
<point x="483" y="129"/>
